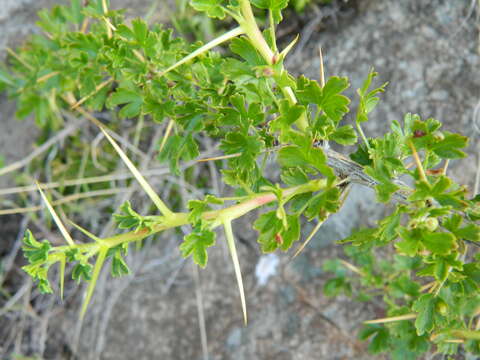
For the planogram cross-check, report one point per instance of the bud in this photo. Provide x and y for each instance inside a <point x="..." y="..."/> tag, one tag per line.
<point x="441" y="307"/>
<point x="431" y="224"/>
<point x="267" y="72"/>
<point x="278" y="239"/>
<point x="412" y="224"/>
<point x="438" y="136"/>
<point x="418" y="133"/>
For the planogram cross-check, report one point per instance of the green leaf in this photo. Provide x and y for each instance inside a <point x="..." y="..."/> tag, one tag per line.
<point x="40" y="273"/>
<point x="361" y="156"/>
<point x="294" y="176"/>
<point x="425" y="307"/>
<point x="199" y="207"/>
<point x="448" y="148"/>
<point x="5" y="78"/>
<point x="248" y="147"/>
<point x="333" y="103"/>
<point x="269" y="228"/>
<point x="368" y="99"/>
<point x="244" y="48"/>
<point x="402" y="286"/>
<point x="294" y="156"/>
<point x="469" y="232"/>
<point x="129" y="218"/>
<point x="140" y="30"/>
<point x="328" y="98"/>
<point x="178" y="147"/>
<point x="44" y="286"/>
<point x="119" y="266"/>
<point x="275" y="6"/>
<point x="33" y="250"/>
<point x="291" y="156"/>
<point x="410" y="244"/>
<point x="196" y="243"/>
<point x="273" y="234"/>
<point x="388" y="227"/>
<point x="344" y="135"/>
<point x="380" y="341"/>
<point x="289" y="114"/>
<point x="324" y="203"/>
<point x="291" y="233"/>
<point x="125" y="31"/>
<point x="386" y="187"/>
<point x="360" y="237"/>
<point x="439" y="243"/>
<point x="82" y="271"/>
<point x="337" y="286"/>
<point x="444" y="264"/>
<point x="131" y="100"/>
<point x="213" y="8"/>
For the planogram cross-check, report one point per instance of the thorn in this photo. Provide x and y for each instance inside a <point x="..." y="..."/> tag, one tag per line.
<point x="322" y="72"/>
<point x="307" y="240"/>
<point x="391" y="319"/>
<point x="167" y="134"/>
<point x="222" y="157"/>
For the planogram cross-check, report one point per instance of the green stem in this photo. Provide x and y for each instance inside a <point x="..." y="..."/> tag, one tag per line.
<point x="272" y="30"/>
<point x="362" y="135"/>
<point x="178" y="219"/>
<point x="249" y="25"/>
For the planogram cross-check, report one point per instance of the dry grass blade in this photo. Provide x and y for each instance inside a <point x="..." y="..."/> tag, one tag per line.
<point x="64" y="200"/>
<point x="47" y="76"/>
<point x="352" y="268"/>
<point x="55" y="217"/>
<point x="97" y="89"/>
<point x="41" y="149"/>
<point x="236" y="264"/>
<point x="143" y="183"/>
<point x="167" y="134"/>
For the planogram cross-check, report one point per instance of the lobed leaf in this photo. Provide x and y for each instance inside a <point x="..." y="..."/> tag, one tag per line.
<point x="196" y="243"/>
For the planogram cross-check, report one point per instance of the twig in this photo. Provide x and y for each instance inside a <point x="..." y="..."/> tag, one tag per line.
<point x="64" y="200"/>
<point x="42" y="148"/>
<point x="343" y="167"/>
<point x="200" y="312"/>
<point x="14" y="299"/>
<point x="161" y="170"/>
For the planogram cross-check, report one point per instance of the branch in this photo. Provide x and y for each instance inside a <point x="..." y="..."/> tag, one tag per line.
<point x="345" y="167"/>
